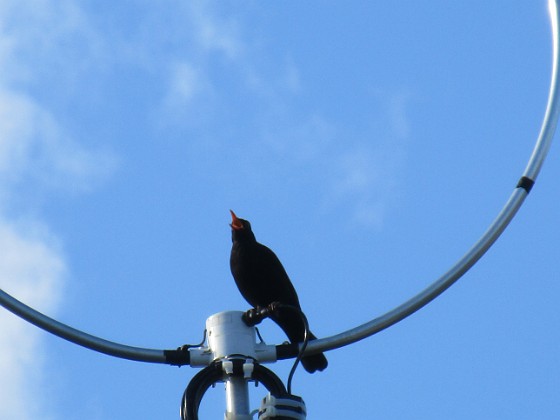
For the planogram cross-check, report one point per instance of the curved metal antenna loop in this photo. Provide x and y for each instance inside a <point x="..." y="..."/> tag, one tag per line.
<point x="79" y="337"/>
<point x="393" y="316"/>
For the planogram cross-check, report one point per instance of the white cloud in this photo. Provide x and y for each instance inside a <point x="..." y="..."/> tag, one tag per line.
<point x="34" y="148"/>
<point x="215" y="33"/>
<point x="186" y="82"/>
<point x="367" y="172"/>
<point x="45" y="36"/>
<point x="32" y="269"/>
<point x="361" y="167"/>
<point x="183" y="104"/>
<point x="31" y="263"/>
<point x="37" y="38"/>
<point x="367" y="183"/>
<point x="38" y="155"/>
<point x="14" y="115"/>
<point x="397" y="103"/>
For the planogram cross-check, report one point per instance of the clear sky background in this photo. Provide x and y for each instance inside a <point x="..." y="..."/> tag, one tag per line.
<point x="369" y="143"/>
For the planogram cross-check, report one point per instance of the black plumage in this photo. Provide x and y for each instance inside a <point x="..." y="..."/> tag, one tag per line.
<point x="262" y="280"/>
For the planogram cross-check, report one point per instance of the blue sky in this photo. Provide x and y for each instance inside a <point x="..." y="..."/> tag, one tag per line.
<point x="369" y="143"/>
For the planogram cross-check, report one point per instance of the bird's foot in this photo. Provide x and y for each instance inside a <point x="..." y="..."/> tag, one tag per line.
<point x="273" y="307"/>
<point x="254" y="316"/>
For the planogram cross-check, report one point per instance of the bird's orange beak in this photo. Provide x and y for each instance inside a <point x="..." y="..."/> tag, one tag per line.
<point x="235" y="222"/>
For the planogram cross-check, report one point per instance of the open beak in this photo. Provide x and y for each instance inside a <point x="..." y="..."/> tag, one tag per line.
<point x="235" y="222"/>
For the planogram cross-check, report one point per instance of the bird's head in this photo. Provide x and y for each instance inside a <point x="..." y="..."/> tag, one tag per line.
<point x="240" y="228"/>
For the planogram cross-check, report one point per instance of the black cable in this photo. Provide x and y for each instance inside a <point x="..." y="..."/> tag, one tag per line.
<point x="196" y="389"/>
<point x="269" y="379"/>
<point x="305" y="340"/>
<point x="214" y="373"/>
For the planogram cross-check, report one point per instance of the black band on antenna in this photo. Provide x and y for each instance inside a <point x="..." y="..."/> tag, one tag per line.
<point x="526" y="184"/>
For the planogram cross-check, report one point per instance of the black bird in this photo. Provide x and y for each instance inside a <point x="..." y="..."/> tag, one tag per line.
<point x="262" y="280"/>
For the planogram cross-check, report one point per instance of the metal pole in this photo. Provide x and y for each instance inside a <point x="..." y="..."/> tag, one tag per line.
<point x="237" y="399"/>
<point x="233" y="342"/>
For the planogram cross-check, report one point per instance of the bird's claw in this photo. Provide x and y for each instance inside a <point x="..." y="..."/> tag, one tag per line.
<point x="273" y="307"/>
<point x="253" y="316"/>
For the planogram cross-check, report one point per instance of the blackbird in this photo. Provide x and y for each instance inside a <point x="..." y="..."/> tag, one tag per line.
<point x="262" y="280"/>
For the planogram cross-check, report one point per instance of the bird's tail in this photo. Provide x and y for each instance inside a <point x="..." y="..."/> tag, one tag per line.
<point x="314" y="362"/>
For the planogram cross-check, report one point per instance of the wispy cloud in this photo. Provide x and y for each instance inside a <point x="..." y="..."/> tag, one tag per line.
<point x="365" y="180"/>
<point x="370" y="173"/>
<point x="183" y="103"/>
<point x="37" y="155"/>
<point x="214" y="32"/>
<point x="34" y="148"/>
<point x="33" y="269"/>
<point x="360" y="170"/>
<point x="42" y="38"/>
